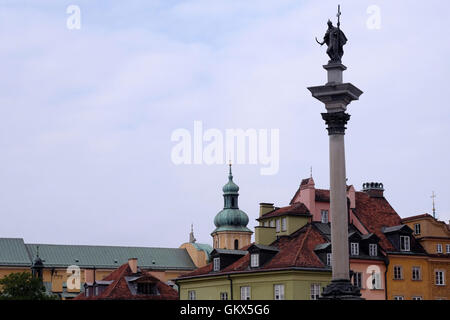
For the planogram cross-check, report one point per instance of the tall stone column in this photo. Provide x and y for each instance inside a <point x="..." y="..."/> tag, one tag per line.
<point x="336" y="96"/>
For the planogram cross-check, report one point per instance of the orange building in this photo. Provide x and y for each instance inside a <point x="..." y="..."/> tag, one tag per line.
<point x="434" y="236"/>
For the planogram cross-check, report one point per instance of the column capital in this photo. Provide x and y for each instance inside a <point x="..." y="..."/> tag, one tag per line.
<point x="336" y="122"/>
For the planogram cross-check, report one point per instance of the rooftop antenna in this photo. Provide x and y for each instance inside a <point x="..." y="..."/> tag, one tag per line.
<point x="433" y="195"/>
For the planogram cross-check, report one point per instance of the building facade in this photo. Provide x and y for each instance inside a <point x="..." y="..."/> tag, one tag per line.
<point x="387" y="260"/>
<point x="64" y="266"/>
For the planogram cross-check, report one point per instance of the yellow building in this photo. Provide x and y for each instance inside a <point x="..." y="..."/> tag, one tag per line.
<point x="64" y="266"/>
<point x="434" y="236"/>
<point x="413" y="273"/>
<point x="287" y="269"/>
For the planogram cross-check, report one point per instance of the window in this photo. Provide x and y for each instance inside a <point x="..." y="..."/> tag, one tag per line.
<point x="324" y="216"/>
<point x="224" y="296"/>
<point x="283" y="224"/>
<point x="357" y="279"/>
<point x="254" y="260"/>
<point x="328" y="259"/>
<point x="399" y="298"/>
<point x="439" y="248"/>
<point x="278" y="225"/>
<point x="278" y="291"/>
<point x="354" y="249"/>
<point x="439" y="278"/>
<point x="191" y="295"/>
<point x="373" y="250"/>
<point x="416" y="274"/>
<point x="315" y="291"/>
<point x="245" y="293"/>
<point x="398" y="273"/>
<point x="146" y="288"/>
<point x="417" y="228"/>
<point x="447" y="248"/>
<point x="417" y="298"/>
<point x="272" y="223"/>
<point x="236" y="244"/>
<point x="216" y="264"/>
<point x="266" y="223"/>
<point x="404" y="243"/>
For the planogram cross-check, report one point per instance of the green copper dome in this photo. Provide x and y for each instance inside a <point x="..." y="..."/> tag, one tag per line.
<point x="230" y="187"/>
<point x="231" y="218"/>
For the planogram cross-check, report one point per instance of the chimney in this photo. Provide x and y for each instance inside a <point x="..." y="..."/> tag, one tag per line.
<point x="89" y="276"/>
<point x="132" y="262"/>
<point x="373" y="189"/>
<point x="265" y="208"/>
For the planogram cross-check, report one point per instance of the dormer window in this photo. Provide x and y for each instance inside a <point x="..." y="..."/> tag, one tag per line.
<point x="254" y="260"/>
<point x="439" y="248"/>
<point x="354" y="249"/>
<point x="328" y="259"/>
<point x="417" y="228"/>
<point x="216" y="264"/>
<point x="373" y="250"/>
<point x="146" y="288"/>
<point x="405" y="243"/>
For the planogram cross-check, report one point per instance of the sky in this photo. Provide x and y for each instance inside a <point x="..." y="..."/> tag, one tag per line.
<point x="87" y="115"/>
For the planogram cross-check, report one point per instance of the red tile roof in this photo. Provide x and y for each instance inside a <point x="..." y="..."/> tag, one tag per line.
<point x="119" y="290"/>
<point x="374" y="214"/>
<point x="296" y="209"/>
<point x="425" y="216"/>
<point x="322" y="195"/>
<point x="296" y="250"/>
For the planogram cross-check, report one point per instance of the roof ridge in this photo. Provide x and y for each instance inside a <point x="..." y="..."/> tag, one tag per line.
<point x="116" y="281"/>
<point x="94" y="245"/>
<point x="301" y="245"/>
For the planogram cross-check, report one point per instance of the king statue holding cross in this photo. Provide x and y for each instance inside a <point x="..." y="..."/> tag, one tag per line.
<point x="335" y="40"/>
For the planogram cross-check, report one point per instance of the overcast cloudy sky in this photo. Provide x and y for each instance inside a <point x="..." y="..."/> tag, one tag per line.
<point x="86" y="116"/>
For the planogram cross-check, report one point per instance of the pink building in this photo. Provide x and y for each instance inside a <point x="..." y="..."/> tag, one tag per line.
<point x="367" y="212"/>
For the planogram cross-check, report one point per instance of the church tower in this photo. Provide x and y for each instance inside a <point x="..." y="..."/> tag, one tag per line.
<point x="231" y="223"/>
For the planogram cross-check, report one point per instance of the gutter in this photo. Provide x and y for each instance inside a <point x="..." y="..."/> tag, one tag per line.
<point x="217" y="274"/>
<point x="385" y="279"/>
<point x="179" y="288"/>
<point x="231" y="286"/>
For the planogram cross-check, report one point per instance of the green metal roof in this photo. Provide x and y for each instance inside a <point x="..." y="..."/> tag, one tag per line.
<point x="13" y="252"/>
<point x="111" y="256"/>
<point x="205" y="247"/>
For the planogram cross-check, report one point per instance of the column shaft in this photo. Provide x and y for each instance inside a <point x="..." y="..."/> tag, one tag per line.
<point x="338" y="208"/>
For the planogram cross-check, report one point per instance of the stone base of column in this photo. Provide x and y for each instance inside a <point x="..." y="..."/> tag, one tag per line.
<point x="341" y="290"/>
